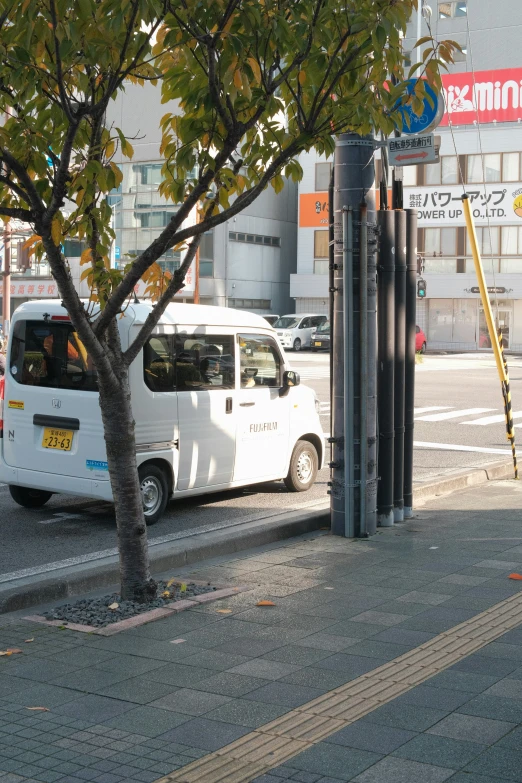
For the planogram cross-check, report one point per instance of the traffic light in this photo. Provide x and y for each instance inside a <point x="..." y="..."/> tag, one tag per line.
<point x="421" y="288"/>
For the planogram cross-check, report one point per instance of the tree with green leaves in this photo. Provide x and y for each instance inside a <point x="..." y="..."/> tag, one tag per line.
<point x="247" y="85"/>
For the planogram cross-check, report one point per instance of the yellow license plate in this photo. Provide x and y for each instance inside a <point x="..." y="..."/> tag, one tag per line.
<point x="57" y="439"/>
<point x="318" y="345"/>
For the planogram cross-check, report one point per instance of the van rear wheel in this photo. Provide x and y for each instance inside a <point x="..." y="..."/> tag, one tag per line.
<point x="303" y="467"/>
<point x="154" y="492"/>
<point x="29" y="498"/>
<point x="297" y="344"/>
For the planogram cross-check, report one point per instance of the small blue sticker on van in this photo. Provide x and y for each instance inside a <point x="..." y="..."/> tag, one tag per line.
<point x="95" y="464"/>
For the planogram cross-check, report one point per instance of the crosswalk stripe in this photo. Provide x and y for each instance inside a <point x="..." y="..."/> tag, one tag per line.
<point x="493" y="419"/>
<point x="456" y="447"/>
<point x="453" y="414"/>
<point x="417" y="411"/>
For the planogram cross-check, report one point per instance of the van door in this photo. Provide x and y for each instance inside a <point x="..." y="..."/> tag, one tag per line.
<point x="205" y="379"/>
<point x="263" y="417"/>
<point x="51" y="409"/>
<point x="154" y="398"/>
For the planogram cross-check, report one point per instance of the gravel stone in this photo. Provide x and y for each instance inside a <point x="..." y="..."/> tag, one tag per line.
<point x="96" y="612"/>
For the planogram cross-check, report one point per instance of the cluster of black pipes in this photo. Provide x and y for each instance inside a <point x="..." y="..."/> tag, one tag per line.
<point x="373" y="278"/>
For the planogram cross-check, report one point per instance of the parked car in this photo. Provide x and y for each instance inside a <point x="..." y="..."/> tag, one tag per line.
<point x="321" y="337"/>
<point x="216" y="404"/>
<point x="295" y="331"/>
<point x="270" y="318"/>
<point x="420" y="340"/>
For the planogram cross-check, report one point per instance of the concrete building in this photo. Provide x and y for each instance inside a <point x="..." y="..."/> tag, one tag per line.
<point x="451" y="314"/>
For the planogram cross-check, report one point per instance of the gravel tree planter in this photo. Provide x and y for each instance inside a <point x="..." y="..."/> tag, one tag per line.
<point x="109" y="614"/>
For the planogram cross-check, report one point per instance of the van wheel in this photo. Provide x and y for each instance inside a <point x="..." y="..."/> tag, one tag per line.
<point x="297" y="344"/>
<point x="423" y="348"/>
<point x="154" y="492"/>
<point x="29" y="498"/>
<point x="303" y="467"/>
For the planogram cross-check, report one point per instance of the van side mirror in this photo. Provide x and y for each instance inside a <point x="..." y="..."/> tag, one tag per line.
<point x="290" y="378"/>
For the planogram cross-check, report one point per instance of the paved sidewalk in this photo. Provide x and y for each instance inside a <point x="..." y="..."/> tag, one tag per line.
<point x="169" y="699"/>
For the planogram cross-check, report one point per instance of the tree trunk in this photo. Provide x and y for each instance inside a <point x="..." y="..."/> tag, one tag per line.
<point x="118" y="424"/>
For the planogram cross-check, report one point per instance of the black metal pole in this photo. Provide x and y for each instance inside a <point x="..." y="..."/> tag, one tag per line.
<point x="400" y="357"/>
<point x="354" y="183"/>
<point x="331" y="268"/>
<point x="386" y="365"/>
<point x="409" y="375"/>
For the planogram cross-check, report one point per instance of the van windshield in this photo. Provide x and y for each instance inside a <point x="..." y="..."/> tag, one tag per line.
<point x="50" y="354"/>
<point x="324" y="328"/>
<point x="286" y="322"/>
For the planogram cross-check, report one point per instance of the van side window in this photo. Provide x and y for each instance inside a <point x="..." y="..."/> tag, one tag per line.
<point x="51" y="354"/>
<point x="205" y="361"/>
<point x="260" y="361"/>
<point x="306" y="323"/>
<point x="159" y="363"/>
<point x="317" y="320"/>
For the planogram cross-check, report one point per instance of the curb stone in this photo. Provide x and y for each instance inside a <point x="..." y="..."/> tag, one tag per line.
<point x="493" y="472"/>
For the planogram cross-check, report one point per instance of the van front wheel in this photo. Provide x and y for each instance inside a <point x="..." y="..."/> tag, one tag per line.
<point x="154" y="492"/>
<point x="303" y="467"/>
<point x="29" y="498"/>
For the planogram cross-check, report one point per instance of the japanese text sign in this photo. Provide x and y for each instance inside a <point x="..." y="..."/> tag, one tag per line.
<point x="441" y="205"/>
<point x="313" y="210"/>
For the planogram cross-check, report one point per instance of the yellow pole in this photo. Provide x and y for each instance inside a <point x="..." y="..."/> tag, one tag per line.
<point x="495" y="339"/>
<point x="486" y="304"/>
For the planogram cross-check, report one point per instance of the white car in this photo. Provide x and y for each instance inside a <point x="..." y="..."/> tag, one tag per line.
<point x="295" y="331"/>
<point x="215" y="401"/>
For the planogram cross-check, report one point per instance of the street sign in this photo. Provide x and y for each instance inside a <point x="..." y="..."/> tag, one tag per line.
<point x="117" y="253"/>
<point x="432" y="113"/>
<point x="415" y="150"/>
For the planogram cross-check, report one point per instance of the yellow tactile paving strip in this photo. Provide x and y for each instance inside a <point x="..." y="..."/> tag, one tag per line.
<point x="278" y="741"/>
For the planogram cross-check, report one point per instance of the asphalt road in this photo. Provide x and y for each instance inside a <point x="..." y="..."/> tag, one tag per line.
<point x="77" y="529"/>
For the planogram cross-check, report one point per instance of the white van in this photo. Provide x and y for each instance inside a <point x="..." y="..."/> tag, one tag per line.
<point x="215" y="402"/>
<point x="295" y="331"/>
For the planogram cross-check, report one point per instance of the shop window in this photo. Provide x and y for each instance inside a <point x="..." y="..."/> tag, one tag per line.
<point x="322" y="176"/>
<point x="321" y="239"/>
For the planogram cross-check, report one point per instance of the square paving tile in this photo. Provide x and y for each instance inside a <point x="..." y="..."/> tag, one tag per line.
<point x="471" y="728"/>
<point x="40" y="669"/>
<point x="209" y="735"/>
<point x="228" y="684"/>
<point x="451" y="679"/>
<point x="147" y="721"/>
<point x="440" y="751"/>
<point x="371" y="648"/>
<point x="504" y="763"/>
<point x="421" y="597"/>
<point x="296" y="655"/>
<point x="249" y="647"/>
<point x="317" y="678"/>
<point x="470" y="777"/>
<point x="379" y="618"/>
<point x="372" y="737"/>
<point x="247" y="713"/>
<point x="356" y="630"/>
<point x="394" y="770"/>
<point x="190" y="702"/>
<point x="507" y="688"/>
<point x="405" y="716"/>
<point x="90" y="680"/>
<point x="42" y="694"/>
<point x="494" y="707"/>
<point x="180" y="675"/>
<point x="435" y="698"/>
<point x="334" y="761"/>
<point x="284" y="694"/>
<point x="93" y="709"/>
<point x="400" y="636"/>
<point x="267" y="670"/>
<point x="139" y="690"/>
<point x="326" y="641"/>
<point x="476" y="664"/>
<point x="350" y="665"/>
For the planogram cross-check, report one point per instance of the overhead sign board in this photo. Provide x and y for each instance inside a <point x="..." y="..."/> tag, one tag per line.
<point x="442" y="204"/>
<point x="413" y="150"/>
<point x="486" y="96"/>
<point x="432" y="111"/>
<point x="313" y="210"/>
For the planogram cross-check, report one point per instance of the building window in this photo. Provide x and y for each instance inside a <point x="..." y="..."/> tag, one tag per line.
<point x="446" y="172"/>
<point x="254" y="239"/>
<point x="148" y="173"/>
<point x="511" y="244"/>
<point x="322" y="176"/>
<point x="206" y="246"/>
<point x="487" y="172"/>
<point x="440" y="242"/>
<point x="206" y="269"/>
<point x="510" y="167"/>
<point x="250" y="304"/>
<point x="321" y="239"/>
<point x="154" y="219"/>
<point x="452" y="10"/>
<point x="488" y="241"/>
<point x="409" y="176"/>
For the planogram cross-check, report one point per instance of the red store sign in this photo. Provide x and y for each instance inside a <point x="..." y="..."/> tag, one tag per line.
<point x="33" y="289"/>
<point x="492" y="95"/>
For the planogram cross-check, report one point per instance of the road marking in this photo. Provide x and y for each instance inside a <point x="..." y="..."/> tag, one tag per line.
<point x="455" y="447"/>
<point x="60" y="516"/>
<point x="453" y="414"/>
<point x="492" y="419"/>
<point x="101" y="554"/>
<point x="280" y="740"/>
<point x="433" y="408"/>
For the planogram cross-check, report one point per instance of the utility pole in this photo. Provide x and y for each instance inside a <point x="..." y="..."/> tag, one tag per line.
<point x="196" y="268"/>
<point x="400" y="358"/>
<point x="353" y="398"/>
<point x="409" y="371"/>
<point x="6" y="295"/>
